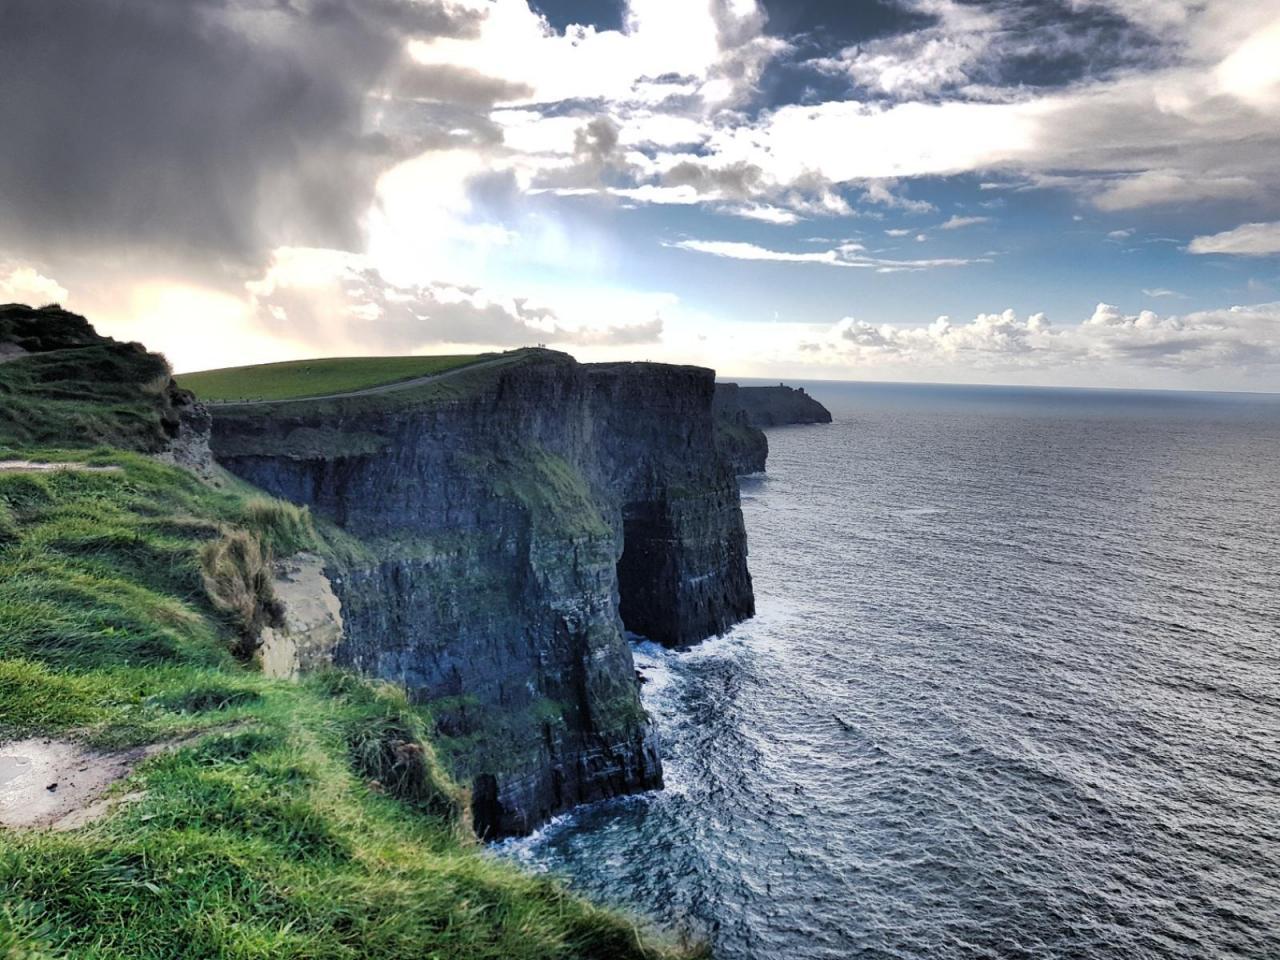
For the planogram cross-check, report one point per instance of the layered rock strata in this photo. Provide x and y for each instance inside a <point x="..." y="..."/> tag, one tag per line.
<point x="508" y="527"/>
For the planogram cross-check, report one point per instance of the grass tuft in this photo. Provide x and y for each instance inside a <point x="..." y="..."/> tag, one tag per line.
<point x="237" y="575"/>
<point x="281" y="527"/>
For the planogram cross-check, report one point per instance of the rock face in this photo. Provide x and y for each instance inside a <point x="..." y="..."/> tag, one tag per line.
<point x="509" y="526"/>
<point x="740" y="441"/>
<point x="773" y="406"/>
<point x="310" y="627"/>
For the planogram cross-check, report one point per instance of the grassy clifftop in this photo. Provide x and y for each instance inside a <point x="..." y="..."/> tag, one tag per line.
<point x="282" y="820"/>
<point x="302" y="379"/>
<point x="63" y="384"/>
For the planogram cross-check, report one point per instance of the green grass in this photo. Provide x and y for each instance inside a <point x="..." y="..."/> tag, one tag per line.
<point x="301" y="821"/>
<point x="301" y="379"/>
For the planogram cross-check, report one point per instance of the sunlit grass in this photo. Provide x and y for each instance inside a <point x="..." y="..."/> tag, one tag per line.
<point x="314" y="378"/>
<point x="298" y="820"/>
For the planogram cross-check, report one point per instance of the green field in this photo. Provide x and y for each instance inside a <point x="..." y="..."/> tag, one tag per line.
<point x="300" y="379"/>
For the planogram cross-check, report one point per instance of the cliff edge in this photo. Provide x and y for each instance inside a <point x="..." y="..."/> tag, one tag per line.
<point x="741" y="412"/>
<point x="772" y="406"/>
<point x="514" y="520"/>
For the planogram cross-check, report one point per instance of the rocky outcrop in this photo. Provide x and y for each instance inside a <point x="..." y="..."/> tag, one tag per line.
<point x="309" y="627"/>
<point x="772" y="406"/>
<point x="743" y="444"/>
<point x="510" y="526"/>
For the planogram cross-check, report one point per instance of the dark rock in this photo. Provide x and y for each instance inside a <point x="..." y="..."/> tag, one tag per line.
<point x="511" y="527"/>
<point x="740" y="441"/>
<point x="775" y="406"/>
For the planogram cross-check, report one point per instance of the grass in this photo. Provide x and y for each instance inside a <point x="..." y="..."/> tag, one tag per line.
<point x="108" y="393"/>
<point x="302" y="821"/>
<point x="301" y="379"/>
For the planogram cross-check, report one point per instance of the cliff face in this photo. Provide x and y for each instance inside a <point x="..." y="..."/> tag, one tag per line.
<point x="773" y="406"/>
<point x="510" y="527"/>
<point x="740" y="441"/>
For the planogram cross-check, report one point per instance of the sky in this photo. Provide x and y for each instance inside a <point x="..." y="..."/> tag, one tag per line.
<point x="1057" y="192"/>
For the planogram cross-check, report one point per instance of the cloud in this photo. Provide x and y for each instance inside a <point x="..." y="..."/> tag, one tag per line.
<point x="958" y="222"/>
<point x="846" y="255"/>
<point x="1190" y="115"/>
<point x="1234" y="339"/>
<point x="223" y="127"/>
<point x="921" y="62"/>
<point x="1161" y="187"/>
<point x="331" y="298"/>
<point x="1163" y="292"/>
<point x="24" y="284"/>
<point x="1248" y="240"/>
<point x="987" y="336"/>
<point x="445" y="83"/>
<point x="710" y="54"/>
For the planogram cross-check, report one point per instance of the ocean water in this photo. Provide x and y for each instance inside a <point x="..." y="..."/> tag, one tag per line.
<point x="1013" y="691"/>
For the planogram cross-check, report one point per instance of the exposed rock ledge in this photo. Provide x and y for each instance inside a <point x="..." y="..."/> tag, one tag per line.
<point x="310" y="627"/>
<point x="511" y="523"/>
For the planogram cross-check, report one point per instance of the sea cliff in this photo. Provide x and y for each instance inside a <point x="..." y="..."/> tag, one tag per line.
<point x="154" y="608"/>
<point x="741" y="411"/>
<point x="512" y="525"/>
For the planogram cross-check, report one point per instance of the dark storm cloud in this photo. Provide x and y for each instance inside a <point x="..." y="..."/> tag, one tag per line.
<point x="219" y="127"/>
<point x="736" y="181"/>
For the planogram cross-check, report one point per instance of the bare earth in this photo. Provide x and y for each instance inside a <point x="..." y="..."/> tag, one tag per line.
<point x="62" y="785"/>
<point x="58" y="784"/>
<point x="29" y="466"/>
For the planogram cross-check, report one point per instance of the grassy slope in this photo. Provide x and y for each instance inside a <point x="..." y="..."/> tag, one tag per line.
<point x="313" y="378"/>
<point x="304" y="820"/>
<point x="83" y="395"/>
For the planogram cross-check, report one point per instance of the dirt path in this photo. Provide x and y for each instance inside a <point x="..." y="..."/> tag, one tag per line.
<point x="57" y="783"/>
<point x="371" y="391"/>
<point x="62" y="785"/>
<point x="30" y="466"/>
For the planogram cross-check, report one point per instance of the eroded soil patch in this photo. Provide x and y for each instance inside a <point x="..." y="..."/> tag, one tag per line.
<point x="30" y="466"/>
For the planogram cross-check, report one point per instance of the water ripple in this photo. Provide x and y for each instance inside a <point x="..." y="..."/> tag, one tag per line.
<point x="1014" y="691"/>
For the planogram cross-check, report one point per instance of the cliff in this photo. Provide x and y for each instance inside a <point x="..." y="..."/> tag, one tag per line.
<point x="772" y="406"/>
<point x="132" y="597"/>
<point x="740" y="442"/>
<point x="513" y="520"/>
<point x="741" y="412"/>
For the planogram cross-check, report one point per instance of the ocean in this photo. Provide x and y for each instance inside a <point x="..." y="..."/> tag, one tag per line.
<point x="1013" y="691"/>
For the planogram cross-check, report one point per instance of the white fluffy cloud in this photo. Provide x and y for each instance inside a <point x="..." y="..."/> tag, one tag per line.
<point x="1236" y="339"/>
<point x="20" y="283"/>
<point x="1203" y="126"/>
<point x="711" y="49"/>
<point x="1250" y="240"/>
<point x="959" y="223"/>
